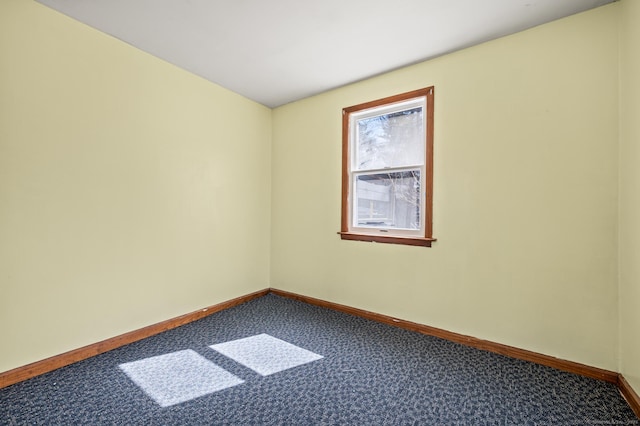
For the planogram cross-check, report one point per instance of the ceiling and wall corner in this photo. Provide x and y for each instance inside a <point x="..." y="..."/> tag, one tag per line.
<point x="280" y="51"/>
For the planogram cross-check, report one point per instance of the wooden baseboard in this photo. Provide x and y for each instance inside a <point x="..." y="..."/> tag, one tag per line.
<point x="40" y="367"/>
<point x="46" y="365"/>
<point x="510" y="351"/>
<point x="625" y="388"/>
<point x="629" y="394"/>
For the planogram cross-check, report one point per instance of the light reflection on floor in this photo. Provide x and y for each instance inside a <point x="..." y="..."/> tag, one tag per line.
<point x="180" y="376"/>
<point x="265" y="354"/>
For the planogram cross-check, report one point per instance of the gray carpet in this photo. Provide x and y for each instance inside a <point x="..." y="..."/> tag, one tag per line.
<point x="275" y="361"/>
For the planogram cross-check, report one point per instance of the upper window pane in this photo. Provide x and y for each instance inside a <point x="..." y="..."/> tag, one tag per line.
<point x="394" y="139"/>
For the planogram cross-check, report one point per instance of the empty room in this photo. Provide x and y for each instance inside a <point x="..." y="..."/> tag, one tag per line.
<point x="336" y="213"/>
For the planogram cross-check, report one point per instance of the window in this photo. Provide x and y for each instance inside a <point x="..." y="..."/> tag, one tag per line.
<point x="387" y="170"/>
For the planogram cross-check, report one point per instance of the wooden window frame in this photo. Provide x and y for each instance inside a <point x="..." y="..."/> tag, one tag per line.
<point x="346" y="232"/>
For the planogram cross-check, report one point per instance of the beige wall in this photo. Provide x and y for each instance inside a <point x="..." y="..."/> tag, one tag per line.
<point x="525" y="195"/>
<point x="630" y="192"/>
<point x="130" y="191"/>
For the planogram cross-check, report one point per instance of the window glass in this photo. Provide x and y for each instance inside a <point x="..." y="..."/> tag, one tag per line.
<point x="390" y="140"/>
<point x="388" y="200"/>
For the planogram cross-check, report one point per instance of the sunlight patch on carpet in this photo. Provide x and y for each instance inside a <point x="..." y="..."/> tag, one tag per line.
<point x="178" y="377"/>
<point x="265" y="354"/>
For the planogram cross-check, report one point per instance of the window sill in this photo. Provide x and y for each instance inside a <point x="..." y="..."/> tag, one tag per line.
<point x="408" y="241"/>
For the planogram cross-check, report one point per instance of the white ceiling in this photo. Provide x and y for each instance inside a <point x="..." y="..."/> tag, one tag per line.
<point x="279" y="51"/>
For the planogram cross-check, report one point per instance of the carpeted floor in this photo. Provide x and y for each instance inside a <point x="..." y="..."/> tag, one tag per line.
<point x="275" y="361"/>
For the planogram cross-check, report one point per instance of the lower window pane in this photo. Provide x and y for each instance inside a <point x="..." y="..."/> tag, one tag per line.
<point x="388" y="200"/>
